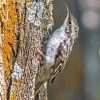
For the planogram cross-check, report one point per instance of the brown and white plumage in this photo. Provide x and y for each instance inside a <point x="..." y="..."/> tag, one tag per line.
<point x="58" y="49"/>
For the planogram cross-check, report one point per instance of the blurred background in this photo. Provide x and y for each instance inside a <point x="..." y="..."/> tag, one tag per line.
<point x="80" y="80"/>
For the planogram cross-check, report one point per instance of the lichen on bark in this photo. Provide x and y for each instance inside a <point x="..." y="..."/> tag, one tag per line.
<point x="24" y="27"/>
<point x="33" y="35"/>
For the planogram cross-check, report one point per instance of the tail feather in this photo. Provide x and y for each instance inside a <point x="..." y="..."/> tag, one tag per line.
<point x="38" y="87"/>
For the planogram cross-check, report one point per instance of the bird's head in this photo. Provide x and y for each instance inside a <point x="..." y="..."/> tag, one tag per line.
<point x="70" y="25"/>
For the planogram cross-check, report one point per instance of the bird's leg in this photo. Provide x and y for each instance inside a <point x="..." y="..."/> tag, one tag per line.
<point x="40" y="53"/>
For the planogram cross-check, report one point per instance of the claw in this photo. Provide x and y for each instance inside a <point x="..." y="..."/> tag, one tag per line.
<point x="40" y="53"/>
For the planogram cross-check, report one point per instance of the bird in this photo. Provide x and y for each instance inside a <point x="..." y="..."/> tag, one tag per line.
<point x="58" y="49"/>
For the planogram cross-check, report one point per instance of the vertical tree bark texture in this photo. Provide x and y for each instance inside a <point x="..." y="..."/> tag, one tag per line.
<point x="24" y="28"/>
<point x="8" y="19"/>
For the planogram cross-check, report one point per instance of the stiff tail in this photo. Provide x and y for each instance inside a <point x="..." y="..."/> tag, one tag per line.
<point x="38" y="87"/>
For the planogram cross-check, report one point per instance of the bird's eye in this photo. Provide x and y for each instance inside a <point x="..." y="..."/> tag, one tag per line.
<point x="69" y="22"/>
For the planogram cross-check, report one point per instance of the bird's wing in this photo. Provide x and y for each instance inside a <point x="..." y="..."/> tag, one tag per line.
<point x="57" y="69"/>
<point x="59" y="63"/>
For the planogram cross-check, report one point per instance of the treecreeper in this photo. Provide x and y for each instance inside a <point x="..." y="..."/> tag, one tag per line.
<point x="58" y="49"/>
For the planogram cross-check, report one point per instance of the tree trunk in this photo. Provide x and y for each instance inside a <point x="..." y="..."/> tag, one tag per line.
<point x="24" y="28"/>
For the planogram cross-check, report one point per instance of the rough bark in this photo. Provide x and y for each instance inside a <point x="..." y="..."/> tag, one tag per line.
<point x="29" y="31"/>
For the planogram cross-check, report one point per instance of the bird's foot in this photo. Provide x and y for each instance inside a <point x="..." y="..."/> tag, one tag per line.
<point x="40" y="53"/>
